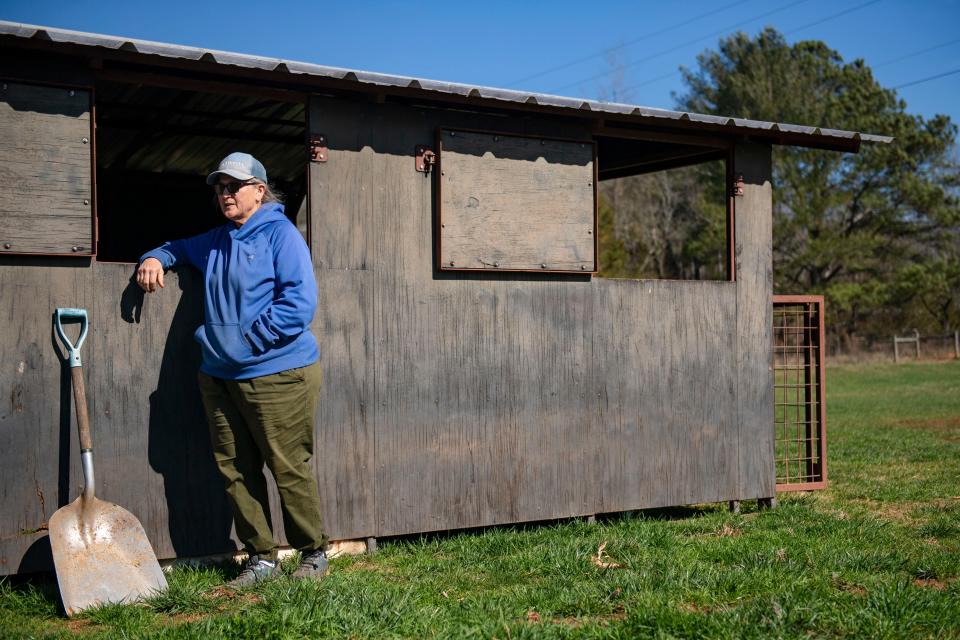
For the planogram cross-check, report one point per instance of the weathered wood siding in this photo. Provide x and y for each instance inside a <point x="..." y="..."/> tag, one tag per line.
<point x="46" y="170"/>
<point x="516" y="203"/>
<point x="37" y="446"/>
<point x="507" y="397"/>
<point x="449" y="399"/>
<point x="754" y="267"/>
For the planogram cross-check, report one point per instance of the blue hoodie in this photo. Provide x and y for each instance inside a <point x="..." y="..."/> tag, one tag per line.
<point x="259" y="295"/>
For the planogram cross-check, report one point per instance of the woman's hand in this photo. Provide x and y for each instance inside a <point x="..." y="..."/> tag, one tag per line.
<point x="150" y="275"/>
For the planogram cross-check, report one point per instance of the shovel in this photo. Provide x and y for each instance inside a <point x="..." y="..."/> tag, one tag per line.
<point x="100" y="551"/>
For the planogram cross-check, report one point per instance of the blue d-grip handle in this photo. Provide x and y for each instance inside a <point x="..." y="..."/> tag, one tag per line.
<point x="73" y="350"/>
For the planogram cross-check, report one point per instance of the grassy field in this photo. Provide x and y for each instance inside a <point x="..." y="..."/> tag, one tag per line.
<point x="877" y="555"/>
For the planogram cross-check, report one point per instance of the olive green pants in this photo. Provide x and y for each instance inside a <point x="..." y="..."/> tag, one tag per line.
<point x="267" y="420"/>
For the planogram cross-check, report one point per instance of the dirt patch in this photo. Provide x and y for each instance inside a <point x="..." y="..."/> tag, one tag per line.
<point x="185" y="618"/>
<point x="933" y="583"/>
<point x="848" y="587"/>
<point x="231" y="595"/>
<point x="619" y="614"/>
<point x="228" y="598"/>
<point x="855" y="589"/>
<point x="945" y="428"/>
<point x="898" y="512"/>
<point x="79" y="626"/>
<point x="902" y="512"/>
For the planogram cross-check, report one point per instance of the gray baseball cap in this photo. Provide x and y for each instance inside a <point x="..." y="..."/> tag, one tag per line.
<point x="241" y="166"/>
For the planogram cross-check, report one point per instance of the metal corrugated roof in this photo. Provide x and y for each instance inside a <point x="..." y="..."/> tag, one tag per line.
<point x="812" y="134"/>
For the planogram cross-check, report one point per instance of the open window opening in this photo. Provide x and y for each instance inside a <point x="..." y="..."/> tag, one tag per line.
<point x="155" y="147"/>
<point x="664" y="211"/>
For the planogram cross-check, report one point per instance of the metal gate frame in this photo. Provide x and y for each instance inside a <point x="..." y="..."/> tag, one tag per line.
<point x="800" y="412"/>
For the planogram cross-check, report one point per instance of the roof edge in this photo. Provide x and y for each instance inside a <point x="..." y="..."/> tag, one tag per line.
<point x="778" y="133"/>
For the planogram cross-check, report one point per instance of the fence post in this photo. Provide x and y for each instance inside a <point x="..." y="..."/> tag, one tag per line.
<point x="916" y="336"/>
<point x="956" y="344"/>
<point x="896" y="351"/>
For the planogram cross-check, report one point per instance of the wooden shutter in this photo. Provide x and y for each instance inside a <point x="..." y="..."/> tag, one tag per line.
<point x="45" y="167"/>
<point x="515" y="203"/>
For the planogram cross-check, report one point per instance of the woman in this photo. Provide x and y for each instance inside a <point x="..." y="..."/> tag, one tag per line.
<point x="260" y="374"/>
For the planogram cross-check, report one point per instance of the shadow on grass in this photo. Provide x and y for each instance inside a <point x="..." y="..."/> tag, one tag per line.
<point x="32" y="593"/>
<point x="534" y="526"/>
<point x="674" y="513"/>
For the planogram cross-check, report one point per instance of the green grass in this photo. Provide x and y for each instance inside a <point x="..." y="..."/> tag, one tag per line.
<point x="877" y="555"/>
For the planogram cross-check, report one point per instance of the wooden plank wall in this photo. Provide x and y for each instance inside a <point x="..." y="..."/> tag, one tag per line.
<point x="508" y="397"/>
<point x="145" y="407"/>
<point x="151" y="452"/>
<point x="450" y="400"/>
<point x="512" y="203"/>
<point x="45" y="163"/>
<point x="37" y="444"/>
<point x="754" y="267"/>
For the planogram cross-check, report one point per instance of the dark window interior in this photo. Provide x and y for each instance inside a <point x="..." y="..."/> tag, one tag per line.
<point x="155" y="147"/>
<point x="663" y="210"/>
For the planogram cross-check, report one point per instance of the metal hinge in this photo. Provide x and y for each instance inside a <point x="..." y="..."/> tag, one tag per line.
<point x="424" y="158"/>
<point x="736" y="188"/>
<point x="318" y="148"/>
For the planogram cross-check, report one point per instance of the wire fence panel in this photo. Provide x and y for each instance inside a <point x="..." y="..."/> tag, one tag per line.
<point x="800" y="411"/>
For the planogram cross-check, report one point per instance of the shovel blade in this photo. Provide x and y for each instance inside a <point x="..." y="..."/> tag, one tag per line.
<point x="102" y="555"/>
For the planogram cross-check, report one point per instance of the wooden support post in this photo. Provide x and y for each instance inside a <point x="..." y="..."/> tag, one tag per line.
<point x="896" y="350"/>
<point x="916" y="336"/>
<point x="753" y="232"/>
<point x="956" y="344"/>
<point x="371" y="545"/>
<point x="592" y="519"/>
<point x="734" y="506"/>
<point x="767" y="503"/>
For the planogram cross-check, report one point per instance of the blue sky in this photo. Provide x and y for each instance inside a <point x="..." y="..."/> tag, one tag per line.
<point x="558" y="47"/>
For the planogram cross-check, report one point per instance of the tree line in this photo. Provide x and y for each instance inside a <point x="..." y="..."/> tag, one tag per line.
<point x="877" y="233"/>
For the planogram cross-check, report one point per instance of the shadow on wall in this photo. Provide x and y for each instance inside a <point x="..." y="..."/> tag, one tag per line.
<point x="199" y="517"/>
<point x="39" y="556"/>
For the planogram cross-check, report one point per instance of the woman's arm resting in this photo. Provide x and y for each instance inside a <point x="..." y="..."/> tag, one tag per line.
<point x="150" y="275"/>
<point x="169" y="254"/>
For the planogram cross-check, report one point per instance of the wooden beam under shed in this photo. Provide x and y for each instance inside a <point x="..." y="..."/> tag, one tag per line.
<point x="203" y="86"/>
<point x="660" y="163"/>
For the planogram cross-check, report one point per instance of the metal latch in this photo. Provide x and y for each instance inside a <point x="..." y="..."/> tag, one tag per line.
<point x="318" y="148"/>
<point x="736" y="188"/>
<point x="424" y="158"/>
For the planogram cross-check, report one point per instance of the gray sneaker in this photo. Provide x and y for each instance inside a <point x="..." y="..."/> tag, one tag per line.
<point x="313" y="565"/>
<point x="256" y="570"/>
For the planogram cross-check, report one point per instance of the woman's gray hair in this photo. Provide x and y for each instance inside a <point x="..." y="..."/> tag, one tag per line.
<point x="271" y="194"/>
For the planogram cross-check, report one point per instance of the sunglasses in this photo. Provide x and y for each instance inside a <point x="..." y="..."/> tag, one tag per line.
<point x="230" y="187"/>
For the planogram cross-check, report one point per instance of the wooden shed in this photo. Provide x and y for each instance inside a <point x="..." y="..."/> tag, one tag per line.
<point x="476" y="370"/>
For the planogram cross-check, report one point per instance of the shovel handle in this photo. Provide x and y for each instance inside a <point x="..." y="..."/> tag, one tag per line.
<point x="80" y="402"/>
<point x="73" y="350"/>
<point x="76" y="371"/>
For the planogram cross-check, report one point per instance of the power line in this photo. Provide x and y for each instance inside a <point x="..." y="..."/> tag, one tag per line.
<point x="907" y="56"/>
<point x="811" y="24"/>
<point x="686" y="44"/>
<point x="836" y="15"/>
<point x="652" y="34"/>
<point x="928" y="79"/>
